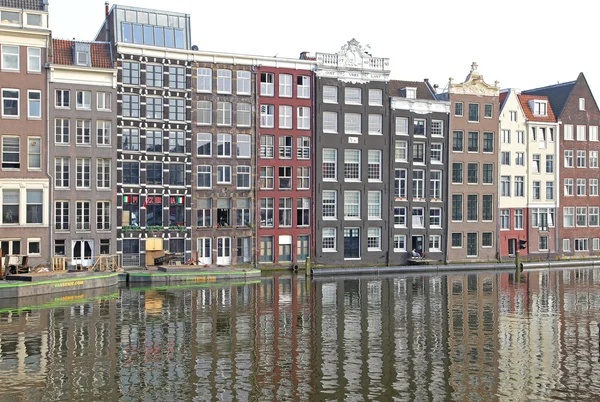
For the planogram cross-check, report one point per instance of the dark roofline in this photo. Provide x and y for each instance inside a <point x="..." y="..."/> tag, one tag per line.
<point x="99" y="42"/>
<point x="552" y="86"/>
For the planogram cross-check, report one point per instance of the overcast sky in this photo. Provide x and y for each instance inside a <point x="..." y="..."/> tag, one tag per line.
<point x="521" y="43"/>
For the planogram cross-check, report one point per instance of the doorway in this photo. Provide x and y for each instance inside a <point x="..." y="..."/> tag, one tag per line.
<point x="417" y="243"/>
<point x="512" y="246"/>
<point x="82" y="252"/>
<point x="224" y="250"/>
<point x="204" y="250"/>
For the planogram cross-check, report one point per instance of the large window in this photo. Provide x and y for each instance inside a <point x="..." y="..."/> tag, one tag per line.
<point x="34" y="206"/>
<point x="472" y="173"/>
<point x="473" y="145"/>
<point x="204" y="176"/>
<point x="62" y="98"/>
<point x="330" y="122"/>
<point x="154" y="173"/>
<point x="285" y="178"/>
<point x="303" y="82"/>
<point x="266" y="146"/>
<point x="154" y="141"/>
<point x="266" y="212"/>
<point x="154" y="108"/>
<point x="177" y="110"/>
<point x="204" y="80"/>
<point x="103" y="215"/>
<point x="472" y="207"/>
<point x="61" y="215"/>
<point x="243" y="146"/>
<point x="177" y="142"/>
<point x="329" y="204"/>
<point x="285" y="212"/>
<point x="243" y="176"/>
<point x="83" y="135"/>
<point x="224" y="114"/>
<point x="353" y="96"/>
<point x="154" y="75"/>
<point x="10" y="206"/>
<point x="374" y="239"/>
<point x="374" y="205"/>
<point x="267" y="116"/>
<point x="131" y="139"/>
<point x="352" y="168"/>
<point x="176" y="77"/>
<point x="303" y="148"/>
<point x="223" y="81"/>
<point x="204" y="142"/>
<point x="82" y="215"/>
<point x="103" y="173"/>
<point x="177" y="211"/>
<point x="177" y="174"/>
<point x="267" y="84"/>
<point x="473" y="112"/>
<point x="351" y="205"/>
<point x="285" y="116"/>
<point x="131" y="105"/>
<point x="34" y="153"/>
<point x="457" y="141"/>
<point x="352" y="123"/>
<point x="10" y="54"/>
<point x="487" y="208"/>
<point x="243" y="212"/>
<point x="244" y="114"/>
<point x="330" y="94"/>
<point x="244" y="82"/>
<point x="375" y="124"/>
<point x="103" y="132"/>
<point x="329" y="164"/>
<point x="131" y="173"/>
<point x="374" y="165"/>
<point x="223" y="174"/>
<point x="303" y="212"/>
<point x="303" y="178"/>
<point x="83" y="173"/>
<point x="131" y="73"/>
<point x="154" y="211"/>
<point x="10" y="103"/>
<point x="328" y="239"/>
<point x="435" y="185"/>
<point x="61" y="172"/>
<point x="267" y="177"/>
<point x="285" y="147"/>
<point x="204" y="212"/>
<point x="34" y="104"/>
<point x="418" y="184"/>
<point x="400" y="183"/>
<point x="204" y="116"/>
<point x="303" y="121"/>
<point x="131" y="210"/>
<point x="223" y="145"/>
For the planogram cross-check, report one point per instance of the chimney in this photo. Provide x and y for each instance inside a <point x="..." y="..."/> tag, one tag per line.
<point x="303" y="55"/>
<point x="106" y="9"/>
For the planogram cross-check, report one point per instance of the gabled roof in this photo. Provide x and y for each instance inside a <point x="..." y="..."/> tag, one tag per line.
<point x="502" y="98"/>
<point x="37" y="5"/>
<point x="100" y="53"/>
<point x="397" y="88"/>
<point x="524" y="100"/>
<point x="558" y="95"/>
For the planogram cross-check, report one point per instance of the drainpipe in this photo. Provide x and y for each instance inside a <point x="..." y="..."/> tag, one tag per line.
<point x="48" y="136"/>
<point x="256" y="205"/>
<point x="557" y="191"/>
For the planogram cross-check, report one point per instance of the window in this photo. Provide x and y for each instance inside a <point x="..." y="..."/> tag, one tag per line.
<point x="103" y="215"/>
<point x="593" y="213"/>
<point x="399" y="243"/>
<point x="154" y="174"/>
<point x="285" y="85"/>
<point x="244" y="81"/>
<point x="536" y="190"/>
<point x="400" y="183"/>
<point x="418" y="218"/>
<point x="593" y="159"/>
<point x="549" y="163"/>
<point x="61" y="215"/>
<point x="505" y="186"/>
<point x="285" y="116"/>
<point x="154" y="108"/>
<point x="435" y="243"/>
<point x="418" y="184"/>
<point x="375" y="124"/>
<point x="330" y="122"/>
<point x="568" y="187"/>
<point x="540" y="108"/>
<point x="581" y="103"/>
<point x="374" y="239"/>
<point x="177" y="174"/>
<point x="285" y="212"/>
<point x="177" y="111"/>
<point x="285" y="178"/>
<point x="488" y="110"/>
<point x="513" y="115"/>
<point x="581" y="244"/>
<point x="437" y="128"/>
<point x="458" y="109"/>
<point x="419" y="127"/>
<point x="520" y="158"/>
<point x="154" y="141"/>
<point x="303" y="178"/>
<point x="266" y="212"/>
<point x="472" y="173"/>
<point x="154" y="211"/>
<point x="10" y="153"/>
<point x="34" y="104"/>
<point x="223" y="145"/>
<point x="435" y="217"/>
<point x="329" y="240"/>
<point x="303" y="86"/>
<point x="177" y="211"/>
<point x="266" y="146"/>
<point x="593" y="187"/>
<point x="519" y="186"/>
<point x="204" y="176"/>
<point x="61" y="172"/>
<point x="472" y="208"/>
<point x="10" y="206"/>
<point x="83" y="173"/>
<point x="400" y="217"/>
<point x="131" y="105"/>
<point x="456" y="240"/>
<point x="488" y="212"/>
<point x="457" y="173"/>
<point x="488" y="173"/>
<point x="303" y="122"/>
<point x="303" y="148"/>
<point x="520" y="137"/>
<point x="204" y="212"/>
<point x="411" y="93"/>
<point x="244" y="114"/>
<point x="204" y="113"/>
<point x="223" y="81"/>
<point x="330" y="94"/>
<point x="374" y="205"/>
<point x="374" y="165"/>
<point x="351" y="204"/>
<point x="223" y="174"/>
<point x="400" y="151"/>
<point x="418" y="153"/>
<point x="243" y="212"/>
<point x="549" y="190"/>
<point x="486" y="239"/>
<point x="488" y="142"/>
<point x="131" y="139"/>
<point x="580" y="186"/>
<point x="353" y="96"/>
<point x="103" y="173"/>
<point x="568" y="216"/>
<point x="401" y="126"/>
<point x="131" y="173"/>
<point x="10" y="103"/>
<point x="243" y="146"/>
<point x="352" y="123"/>
<point x="536" y="163"/>
<point x="131" y="73"/>
<point x="285" y="147"/>
<point x="205" y="80"/>
<point x="375" y="97"/>
<point x="103" y="132"/>
<point x="568" y="161"/>
<point x="267" y="84"/>
<point x="34" y="206"/>
<point x="568" y="132"/>
<point x="457" y="141"/>
<point x="83" y="132"/>
<point x="474" y="112"/>
<point x="177" y="142"/>
<point x="176" y="77"/>
<point x="352" y="164"/>
<point x="471" y="244"/>
<point x="329" y="204"/>
<point x="131" y="210"/>
<point x="34" y="153"/>
<point x="581" y="159"/>
<point x="62" y="99"/>
<point x="519" y="219"/>
<point x="267" y="116"/>
<point x="435" y="185"/>
<point x="505" y="158"/>
<point x="473" y="141"/>
<point x="505" y="136"/>
<point x="593" y="133"/>
<point x="10" y="55"/>
<point x="82" y="215"/>
<point x="154" y="75"/>
<point x="581" y="216"/>
<point x="457" y="207"/>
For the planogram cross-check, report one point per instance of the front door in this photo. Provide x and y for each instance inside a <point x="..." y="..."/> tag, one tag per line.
<point x="224" y="250"/>
<point x="244" y="249"/>
<point x="82" y="252"/>
<point x="204" y="250"/>
<point x="352" y="243"/>
<point x="512" y="245"/>
<point x="417" y="243"/>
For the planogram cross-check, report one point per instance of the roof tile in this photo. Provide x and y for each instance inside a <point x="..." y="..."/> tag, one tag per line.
<point x="37" y="5"/>
<point x="558" y="95"/>
<point x="100" y="53"/>
<point x="397" y="87"/>
<point x="524" y="100"/>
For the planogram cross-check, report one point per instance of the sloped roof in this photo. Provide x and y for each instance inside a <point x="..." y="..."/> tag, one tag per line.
<point x="37" y="5"/>
<point x="397" y="87"/>
<point x="502" y="98"/>
<point x="524" y="100"/>
<point x="100" y="53"/>
<point x="558" y="95"/>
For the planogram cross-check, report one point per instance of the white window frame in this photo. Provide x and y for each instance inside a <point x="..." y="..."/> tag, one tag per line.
<point x="243" y="82"/>
<point x="303" y="118"/>
<point x="31" y="101"/>
<point x="375" y="124"/>
<point x="353" y="123"/>
<point x="224" y="81"/>
<point x="9" y="51"/>
<point x="285" y="85"/>
<point x="352" y="96"/>
<point x="103" y="132"/>
<point x="330" y="122"/>
<point x="204" y="79"/>
<point x="34" y="61"/>
<point x="104" y="101"/>
<point x="11" y="116"/>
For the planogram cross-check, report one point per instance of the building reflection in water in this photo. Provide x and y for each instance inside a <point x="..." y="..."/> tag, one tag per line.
<point x="457" y="337"/>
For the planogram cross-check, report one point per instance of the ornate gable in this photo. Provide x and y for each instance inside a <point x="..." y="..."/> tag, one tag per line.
<point x="353" y="63"/>
<point x="474" y="85"/>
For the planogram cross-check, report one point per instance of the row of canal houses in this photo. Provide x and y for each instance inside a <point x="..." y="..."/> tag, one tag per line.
<point x="137" y="143"/>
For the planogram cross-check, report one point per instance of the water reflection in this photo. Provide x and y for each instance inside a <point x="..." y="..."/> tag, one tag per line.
<point x="487" y="336"/>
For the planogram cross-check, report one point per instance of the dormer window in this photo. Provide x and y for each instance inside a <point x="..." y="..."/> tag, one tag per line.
<point x="81" y="54"/>
<point x="540" y="108"/>
<point x="83" y="58"/>
<point x="581" y="103"/>
<point x="34" y="20"/>
<point x="10" y="17"/>
<point x="411" y="93"/>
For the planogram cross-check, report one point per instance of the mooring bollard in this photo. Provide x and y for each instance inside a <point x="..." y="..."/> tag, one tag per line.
<point x="307" y="267"/>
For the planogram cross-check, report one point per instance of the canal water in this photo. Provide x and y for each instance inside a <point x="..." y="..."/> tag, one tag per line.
<point x="461" y="336"/>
